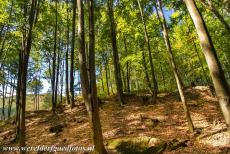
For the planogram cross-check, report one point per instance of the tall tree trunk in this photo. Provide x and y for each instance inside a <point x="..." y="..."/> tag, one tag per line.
<point x="23" y="75"/>
<point x="145" y="68"/>
<point x="102" y="81"/>
<point x="217" y="74"/>
<point x="154" y="81"/>
<point x="94" y="112"/>
<point x="62" y="78"/>
<point x="11" y="98"/>
<point x="209" y="5"/>
<point x="110" y="77"/>
<point x="18" y="96"/>
<point x="123" y="79"/>
<point x="54" y="100"/>
<point x="162" y="72"/>
<point x="38" y="93"/>
<point x="57" y="74"/>
<point x="106" y="74"/>
<point x="67" y="55"/>
<point x="117" y="72"/>
<point x="82" y="55"/>
<point x="172" y="61"/>
<point x="72" y="53"/>
<point x="3" y="96"/>
<point x="127" y="67"/>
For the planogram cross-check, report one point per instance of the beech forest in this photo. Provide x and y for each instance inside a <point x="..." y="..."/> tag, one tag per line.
<point x="115" y="76"/>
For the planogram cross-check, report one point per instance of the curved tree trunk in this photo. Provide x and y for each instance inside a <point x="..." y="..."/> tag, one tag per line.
<point x="217" y="74"/>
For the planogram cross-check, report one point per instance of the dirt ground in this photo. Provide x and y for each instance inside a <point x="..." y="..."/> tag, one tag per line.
<point x="167" y="122"/>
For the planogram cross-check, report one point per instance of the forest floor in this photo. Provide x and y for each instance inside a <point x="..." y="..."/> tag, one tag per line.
<point x="164" y="120"/>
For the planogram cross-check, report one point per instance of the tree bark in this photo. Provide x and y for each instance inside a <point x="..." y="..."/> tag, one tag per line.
<point x="57" y="74"/>
<point x="94" y="113"/>
<point x="217" y="74"/>
<point x="23" y="75"/>
<point x="54" y="99"/>
<point x="3" y="95"/>
<point x="67" y="56"/>
<point x="127" y="67"/>
<point x="106" y="74"/>
<point x="117" y="72"/>
<point x="154" y="81"/>
<point x="11" y="99"/>
<point x="62" y="79"/>
<point x="102" y="81"/>
<point x="172" y="61"/>
<point x="145" y="68"/>
<point x="72" y="53"/>
<point x="161" y="68"/>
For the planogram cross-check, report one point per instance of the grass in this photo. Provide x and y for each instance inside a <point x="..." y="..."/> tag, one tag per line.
<point x="45" y="104"/>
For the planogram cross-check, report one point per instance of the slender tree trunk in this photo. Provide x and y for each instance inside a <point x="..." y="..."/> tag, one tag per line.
<point x="94" y="113"/>
<point x="111" y="82"/>
<point x="57" y="74"/>
<point x="209" y="5"/>
<point x="87" y="56"/>
<point x="117" y="72"/>
<point x="217" y="74"/>
<point x="102" y="81"/>
<point x="162" y="72"/>
<point x="106" y="74"/>
<point x="18" y="96"/>
<point x="154" y="81"/>
<point x="82" y="55"/>
<point x="3" y="96"/>
<point x="23" y="73"/>
<point x="11" y="99"/>
<point x="6" y="80"/>
<point x="127" y="67"/>
<point x="54" y="100"/>
<point x="72" y="53"/>
<point x="123" y="80"/>
<point x="175" y="71"/>
<point x="197" y="54"/>
<point x="62" y="78"/>
<point x="67" y="56"/>
<point x="89" y="90"/>
<point x="38" y="93"/>
<point x="145" y="69"/>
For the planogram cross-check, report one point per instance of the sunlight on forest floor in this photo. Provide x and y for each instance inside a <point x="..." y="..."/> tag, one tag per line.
<point x="164" y="120"/>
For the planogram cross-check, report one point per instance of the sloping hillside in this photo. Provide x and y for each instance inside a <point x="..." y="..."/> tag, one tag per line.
<point x="163" y="121"/>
